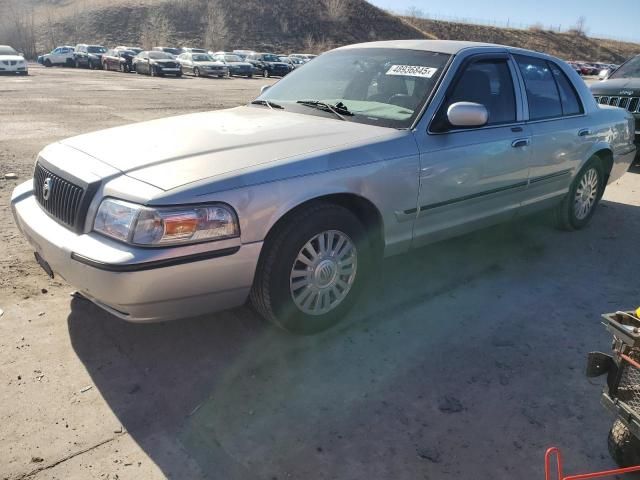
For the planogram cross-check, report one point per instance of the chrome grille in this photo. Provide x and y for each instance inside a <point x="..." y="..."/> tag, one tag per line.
<point x="630" y="104"/>
<point x="64" y="198"/>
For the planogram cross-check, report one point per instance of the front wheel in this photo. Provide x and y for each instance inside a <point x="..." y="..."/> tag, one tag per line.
<point x="579" y="205"/>
<point x="47" y="63"/>
<point x="266" y="74"/>
<point x="196" y="72"/>
<point x="312" y="269"/>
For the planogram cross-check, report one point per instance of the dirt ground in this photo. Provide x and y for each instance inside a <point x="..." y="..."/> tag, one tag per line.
<point x="464" y="360"/>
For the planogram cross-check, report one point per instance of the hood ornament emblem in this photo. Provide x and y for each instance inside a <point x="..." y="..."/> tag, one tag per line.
<point x="46" y="189"/>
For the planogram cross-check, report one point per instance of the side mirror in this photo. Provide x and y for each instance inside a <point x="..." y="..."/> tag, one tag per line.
<point x="467" y="114"/>
<point x="264" y="88"/>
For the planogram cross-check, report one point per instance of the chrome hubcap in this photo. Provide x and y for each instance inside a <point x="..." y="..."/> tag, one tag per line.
<point x="323" y="272"/>
<point x="586" y="194"/>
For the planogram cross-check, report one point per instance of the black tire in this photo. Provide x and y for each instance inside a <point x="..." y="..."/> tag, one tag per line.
<point x="566" y="216"/>
<point x="271" y="293"/>
<point x="123" y="68"/>
<point x="178" y="75"/>
<point x="152" y="72"/>
<point x="250" y="75"/>
<point x="220" y="76"/>
<point x="47" y="63"/>
<point x="77" y="63"/>
<point x="196" y="72"/>
<point x="266" y="74"/>
<point x="624" y="447"/>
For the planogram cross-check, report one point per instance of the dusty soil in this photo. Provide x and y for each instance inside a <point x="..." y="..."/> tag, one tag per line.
<point x="464" y="360"/>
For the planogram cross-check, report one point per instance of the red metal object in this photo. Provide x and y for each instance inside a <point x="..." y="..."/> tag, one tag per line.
<point x="583" y="476"/>
<point x="631" y="361"/>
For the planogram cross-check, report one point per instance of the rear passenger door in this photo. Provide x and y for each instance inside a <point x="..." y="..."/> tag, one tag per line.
<point x="560" y="135"/>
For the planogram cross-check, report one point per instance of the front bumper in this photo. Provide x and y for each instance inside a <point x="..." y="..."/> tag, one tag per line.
<point x="8" y="67"/>
<point x="138" y="284"/>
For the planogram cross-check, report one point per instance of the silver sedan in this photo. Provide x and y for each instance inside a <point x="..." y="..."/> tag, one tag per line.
<point x="368" y="151"/>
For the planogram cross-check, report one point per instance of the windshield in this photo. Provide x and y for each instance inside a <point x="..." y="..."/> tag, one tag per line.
<point x="379" y="86"/>
<point x="267" y="57"/>
<point x="7" y="51"/>
<point x="96" y="49"/>
<point x="631" y="69"/>
<point x="200" y="57"/>
<point x="160" y="56"/>
<point x="172" y="51"/>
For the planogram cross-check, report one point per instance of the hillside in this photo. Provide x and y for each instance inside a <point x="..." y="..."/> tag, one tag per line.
<point x="273" y="25"/>
<point x="564" y="45"/>
<point x="278" y="25"/>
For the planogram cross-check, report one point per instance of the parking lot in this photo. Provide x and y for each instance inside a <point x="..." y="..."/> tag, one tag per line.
<point x="463" y="360"/>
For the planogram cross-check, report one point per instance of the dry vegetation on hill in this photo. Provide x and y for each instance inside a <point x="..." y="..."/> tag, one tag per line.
<point x="274" y="25"/>
<point x="569" y="46"/>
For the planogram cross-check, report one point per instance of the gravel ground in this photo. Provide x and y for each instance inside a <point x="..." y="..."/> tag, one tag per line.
<point x="464" y="360"/>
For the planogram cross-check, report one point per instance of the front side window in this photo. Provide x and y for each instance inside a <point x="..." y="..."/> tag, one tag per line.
<point x="542" y="92"/>
<point x="377" y="86"/>
<point x="487" y="82"/>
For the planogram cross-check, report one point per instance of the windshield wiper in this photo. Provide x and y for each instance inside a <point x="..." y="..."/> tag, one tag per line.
<point x="339" y="109"/>
<point x="267" y="103"/>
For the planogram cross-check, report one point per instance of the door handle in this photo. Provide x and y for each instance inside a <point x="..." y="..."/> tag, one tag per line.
<point x="520" y="142"/>
<point x="584" y="132"/>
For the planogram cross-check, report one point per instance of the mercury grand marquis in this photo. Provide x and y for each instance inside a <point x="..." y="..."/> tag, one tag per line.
<point x="368" y="151"/>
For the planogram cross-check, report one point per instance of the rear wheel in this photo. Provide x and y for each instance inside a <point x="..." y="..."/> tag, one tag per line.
<point x="624" y="447"/>
<point x="579" y="205"/>
<point x="312" y="269"/>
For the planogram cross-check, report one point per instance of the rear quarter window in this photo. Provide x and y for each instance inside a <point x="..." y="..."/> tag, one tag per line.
<point x="543" y="96"/>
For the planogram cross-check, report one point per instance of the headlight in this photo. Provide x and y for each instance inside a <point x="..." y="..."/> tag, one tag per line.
<point x="145" y="226"/>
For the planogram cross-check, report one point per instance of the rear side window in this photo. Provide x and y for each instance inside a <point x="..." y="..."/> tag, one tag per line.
<point x="569" y="99"/>
<point x="542" y="91"/>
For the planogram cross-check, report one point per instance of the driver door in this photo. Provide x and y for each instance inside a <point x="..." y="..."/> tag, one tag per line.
<point x="473" y="177"/>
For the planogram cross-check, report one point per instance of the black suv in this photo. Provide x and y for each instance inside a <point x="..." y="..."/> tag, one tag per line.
<point x="89" y="56"/>
<point x="622" y="89"/>
<point x="269" y="64"/>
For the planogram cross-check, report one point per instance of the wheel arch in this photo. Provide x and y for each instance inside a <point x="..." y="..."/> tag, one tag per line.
<point x="606" y="157"/>
<point x="364" y="209"/>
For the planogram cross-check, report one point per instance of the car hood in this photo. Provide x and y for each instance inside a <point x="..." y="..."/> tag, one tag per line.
<point x="11" y="58"/>
<point x="615" y="86"/>
<point x="209" y="64"/>
<point x="172" y="152"/>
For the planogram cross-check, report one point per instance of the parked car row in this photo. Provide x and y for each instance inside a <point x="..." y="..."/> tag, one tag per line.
<point x="591" y="69"/>
<point x="175" y="61"/>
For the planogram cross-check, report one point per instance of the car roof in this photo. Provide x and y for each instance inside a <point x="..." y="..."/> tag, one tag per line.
<point x="441" y="46"/>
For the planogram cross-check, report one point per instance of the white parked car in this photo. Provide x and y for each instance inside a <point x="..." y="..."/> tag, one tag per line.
<point x="59" y="56"/>
<point x="12" y="62"/>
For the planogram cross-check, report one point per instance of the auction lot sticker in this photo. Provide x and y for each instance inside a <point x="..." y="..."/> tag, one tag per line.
<point x="412" y="71"/>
